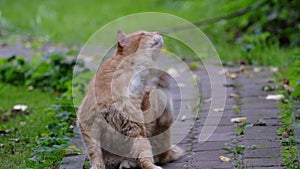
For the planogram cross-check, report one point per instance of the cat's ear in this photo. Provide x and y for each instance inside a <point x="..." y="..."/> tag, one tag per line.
<point x="122" y="38"/>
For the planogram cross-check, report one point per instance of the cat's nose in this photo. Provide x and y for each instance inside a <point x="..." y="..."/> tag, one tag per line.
<point x="157" y="37"/>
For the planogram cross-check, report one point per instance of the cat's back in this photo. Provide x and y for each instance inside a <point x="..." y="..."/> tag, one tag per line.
<point x="98" y="93"/>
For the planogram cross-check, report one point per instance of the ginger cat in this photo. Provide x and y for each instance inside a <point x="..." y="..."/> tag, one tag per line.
<point x="122" y="121"/>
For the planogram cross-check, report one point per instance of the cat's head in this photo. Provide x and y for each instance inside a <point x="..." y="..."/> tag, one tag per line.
<point x="139" y="41"/>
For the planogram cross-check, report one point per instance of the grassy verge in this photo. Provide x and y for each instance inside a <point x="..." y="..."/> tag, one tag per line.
<point x="289" y="110"/>
<point x="38" y="137"/>
<point x="289" y="149"/>
<point x="20" y="141"/>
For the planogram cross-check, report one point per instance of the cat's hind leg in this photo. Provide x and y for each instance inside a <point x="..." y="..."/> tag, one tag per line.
<point x="161" y="129"/>
<point x="173" y="154"/>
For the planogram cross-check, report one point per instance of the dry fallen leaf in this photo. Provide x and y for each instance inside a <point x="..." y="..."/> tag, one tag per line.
<point x="218" y="110"/>
<point x="164" y="49"/>
<point x="181" y="84"/>
<point x="7" y="131"/>
<point x="256" y="69"/>
<point x="242" y="69"/>
<point x="15" y="140"/>
<point x="183" y="118"/>
<point x="44" y="134"/>
<point x="72" y="127"/>
<point x="224" y="159"/>
<point x="194" y="76"/>
<point x="20" y="107"/>
<point x="73" y="146"/>
<point x="223" y="71"/>
<point x="275" y="97"/>
<point x="207" y="100"/>
<point x="233" y="95"/>
<point x="285" y="134"/>
<point x="194" y="66"/>
<point x="274" y="69"/>
<point x="238" y="120"/>
<point x="188" y="106"/>
<point x="173" y="72"/>
<point x="30" y="88"/>
<point x="288" y="88"/>
<point x="231" y="75"/>
<point x="234" y="107"/>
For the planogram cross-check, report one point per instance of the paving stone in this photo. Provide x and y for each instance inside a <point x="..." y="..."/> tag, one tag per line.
<point x="262" y="144"/>
<point x="228" y="136"/>
<point x="262" y="162"/>
<point x="262" y="112"/>
<point x="210" y="145"/>
<point x="228" y="105"/>
<point x="174" y="165"/>
<point x="218" y="130"/>
<point x="267" y="121"/>
<point x="263" y="153"/>
<point x="218" y="164"/>
<point x="273" y="167"/>
<point x="260" y="131"/>
<point x="73" y="162"/>
<point x="212" y="155"/>
<point x="262" y="104"/>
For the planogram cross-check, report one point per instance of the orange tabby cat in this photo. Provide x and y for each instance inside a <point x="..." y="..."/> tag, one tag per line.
<point x="119" y="116"/>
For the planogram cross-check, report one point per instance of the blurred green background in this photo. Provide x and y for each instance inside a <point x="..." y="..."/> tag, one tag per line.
<point x="73" y="21"/>
<point x="253" y="36"/>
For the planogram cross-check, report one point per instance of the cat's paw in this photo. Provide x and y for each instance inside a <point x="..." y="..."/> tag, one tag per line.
<point x="176" y="153"/>
<point x="98" y="167"/>
<point x="157" y="167"/>
<point x="127" y="164"/>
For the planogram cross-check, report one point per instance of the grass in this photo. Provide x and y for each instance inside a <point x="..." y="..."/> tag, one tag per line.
<point x="259" y="55"/>
<point x="16" y="154"/>
<point x="61" y="20"/>
<point x="289" y="150"/>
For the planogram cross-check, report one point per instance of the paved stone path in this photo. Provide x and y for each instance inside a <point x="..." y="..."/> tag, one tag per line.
<point x="262" y="146"/>
<point x="257" y="109"/>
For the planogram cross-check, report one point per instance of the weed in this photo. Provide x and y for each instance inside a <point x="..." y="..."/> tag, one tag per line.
<point x="240" y="129"/>
<point x="289" y="152"/>
<point x="236" y="110"/>
<point x="236" y="150"/>
<point x="52" y="147"/>
<point x="52" y="72"/>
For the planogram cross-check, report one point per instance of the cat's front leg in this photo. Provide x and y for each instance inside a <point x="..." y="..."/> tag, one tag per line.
<point x="97" y="166"/>
<point x="93" y="149"/>
<point x="128" y="164"/>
